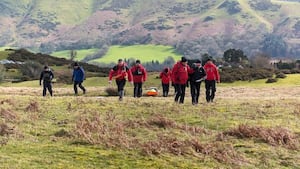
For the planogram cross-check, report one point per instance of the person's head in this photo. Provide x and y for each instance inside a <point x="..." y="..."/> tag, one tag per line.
<point x="166" y="70"/>
<point x="137" y="62"/>
<point x="184" y="60"/>
<point x="120" y="62"/>
<point x="198" y="62"/>
<point x="75" y="65"/>
<point x="209" y="61"/>
<point x="46" y="68"/>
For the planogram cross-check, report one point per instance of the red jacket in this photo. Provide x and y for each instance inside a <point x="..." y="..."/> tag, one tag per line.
<point x="120" y="72"/>
<point x="180" y="73"/>
<point x="165" y="76"/>
<point x="212" y="72"/>
<point x="139" y="74"/>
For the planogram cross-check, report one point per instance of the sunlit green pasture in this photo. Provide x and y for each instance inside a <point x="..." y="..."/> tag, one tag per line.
<point x="146" y="53"/>
<point x="81" y="54"/>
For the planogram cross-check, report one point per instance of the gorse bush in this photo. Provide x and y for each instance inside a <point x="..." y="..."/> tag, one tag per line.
<point x="244" y="74"/>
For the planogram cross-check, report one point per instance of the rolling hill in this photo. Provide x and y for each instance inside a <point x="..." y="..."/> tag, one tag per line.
<point x="191" y="26"/>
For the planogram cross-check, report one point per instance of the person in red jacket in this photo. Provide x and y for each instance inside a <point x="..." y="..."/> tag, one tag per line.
<point x="139" y="74"/>
<point x="121" y="74"/>
<point x="165" y="76"/>
<point x="180" y="75"/>
<point x="212" y="76"/>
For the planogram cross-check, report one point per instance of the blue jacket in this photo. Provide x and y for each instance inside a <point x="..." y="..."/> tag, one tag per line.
<point x="78" y="74"/>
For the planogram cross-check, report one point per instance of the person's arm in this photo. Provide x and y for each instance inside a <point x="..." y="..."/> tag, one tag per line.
<point x="129" y="75"/>
<point x="83" y="73"/>
<point x="110" y="75"/>
<point x="52" y="75"/>
<point x="41" y="77"/>
<point x="145" y="74"/>
<point x="217" y="75"/>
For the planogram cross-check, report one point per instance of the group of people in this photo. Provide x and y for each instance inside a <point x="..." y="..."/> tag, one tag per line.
<point x="180" y="76"/>
<point x="78" y="77"/>
<point x="137" y="75"/>
<point x="183" y="75"/>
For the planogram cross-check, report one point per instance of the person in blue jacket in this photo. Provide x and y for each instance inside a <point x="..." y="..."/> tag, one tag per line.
<point x="78" y="78"/>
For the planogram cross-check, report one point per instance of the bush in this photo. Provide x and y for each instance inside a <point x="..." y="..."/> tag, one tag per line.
<point x="31" y="70"/>
<point x="280" y="75"/>
<point x="271" y="80"/>
<point x="2" y="73"/>
<point x="111" y="91"/>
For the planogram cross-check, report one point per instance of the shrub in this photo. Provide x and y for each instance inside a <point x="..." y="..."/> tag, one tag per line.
<point x="31" y="70"/>
<point x="271" y="80"/>
<point x="280" y="75"/>
<point x="111" y="91"/>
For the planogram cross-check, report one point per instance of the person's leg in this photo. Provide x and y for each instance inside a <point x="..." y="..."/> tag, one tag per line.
<point x="213" y="90"/>
<point x="135" y="89"/>
<point x="197" y="86"/>
<point x="44" y="88"/>
<point x="75" y="87"/>
<point x="182" y="93"/>
<point x="81" y="87"/>
<point x="49" y="86"/>
<point x="167" y="89"/>
<point x="207" y="90"/>
<point x="178" y="92"/>
<point x="164" y="89"/>
<point x="121" y="85"/>
<point x="140" y="89"/>
<point x="193" y="91"/>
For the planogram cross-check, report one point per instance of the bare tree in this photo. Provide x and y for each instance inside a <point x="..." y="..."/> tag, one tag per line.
<point x="73" y="54"/>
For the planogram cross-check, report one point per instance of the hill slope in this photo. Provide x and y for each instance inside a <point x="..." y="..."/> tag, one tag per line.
<point x="211" y="26"/>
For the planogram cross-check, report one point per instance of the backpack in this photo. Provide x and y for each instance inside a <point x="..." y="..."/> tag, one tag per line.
<point x="138" y="71"/>
<point x="47" y="76"/>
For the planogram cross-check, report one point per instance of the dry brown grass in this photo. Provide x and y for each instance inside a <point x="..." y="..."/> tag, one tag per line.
<point x="111" y="132"/>
<point x="32" y="107"/>
<point x="8" y="115"/>
<point x="273" y="136"/>
<point x="5" y="130"/>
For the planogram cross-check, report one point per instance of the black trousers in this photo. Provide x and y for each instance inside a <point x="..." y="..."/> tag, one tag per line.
<point x="121" y="85"/>
<point x="80" y="86"/>
<point x="138" y="90"/>
<point x="210" y="86"/>
<point x="180" y="94"/>
<point x="195" y="91"/>
<point x="166" y="88"/>
<point x="47" y="86"/>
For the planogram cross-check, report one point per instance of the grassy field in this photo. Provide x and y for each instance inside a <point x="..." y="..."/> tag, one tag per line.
<point x="81" y="54"/>
<point x="146" y="53"/>
<point x="247" y="126"/>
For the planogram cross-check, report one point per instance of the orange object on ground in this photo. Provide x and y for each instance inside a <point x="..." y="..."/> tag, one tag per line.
<point x="152" y="92"/>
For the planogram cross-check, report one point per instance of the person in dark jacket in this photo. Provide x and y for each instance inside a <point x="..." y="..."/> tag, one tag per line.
<point x="212" y="77"/>
<point x="78" y="78"/>
<point x="139" y="75"/>
<point x="121" y="74"/>
<point x="46" y="76"/>
<point x="165" y="77"/>
<point x="180" y="75"/>
<point x="196" y="78"/>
